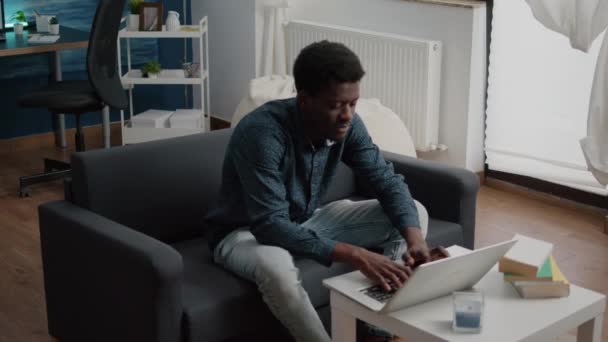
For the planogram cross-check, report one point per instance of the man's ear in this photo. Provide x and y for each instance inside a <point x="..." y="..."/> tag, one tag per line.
<point x="303" y="100"/>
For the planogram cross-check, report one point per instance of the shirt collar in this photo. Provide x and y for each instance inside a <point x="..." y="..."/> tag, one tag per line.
<point x="299" y="129"/>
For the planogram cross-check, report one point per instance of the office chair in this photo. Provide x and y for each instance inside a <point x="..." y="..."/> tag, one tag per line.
<point x="102" y="88"/>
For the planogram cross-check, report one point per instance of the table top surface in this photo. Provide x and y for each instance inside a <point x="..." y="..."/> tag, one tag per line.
<point x="507" y="316"/>
<point x="69" y="38"/>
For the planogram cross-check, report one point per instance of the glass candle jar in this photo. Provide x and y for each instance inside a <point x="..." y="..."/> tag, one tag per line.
<point x="468" y="311"/>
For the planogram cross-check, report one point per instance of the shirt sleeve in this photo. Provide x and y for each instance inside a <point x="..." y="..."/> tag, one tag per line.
<point x="258" y="162"/>
<point x="365" y="159"/>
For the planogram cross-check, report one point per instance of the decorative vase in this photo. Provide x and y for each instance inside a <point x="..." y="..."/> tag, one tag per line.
<point x="133" y="22"/>
<point x="172" y="22"/>
<point x="151" y="75"/>
<point x="54" y="29"/>
<point x="18" y="29"/>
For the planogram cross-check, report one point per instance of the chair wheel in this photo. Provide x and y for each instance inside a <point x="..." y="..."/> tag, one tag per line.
<point x="25" y="192"/>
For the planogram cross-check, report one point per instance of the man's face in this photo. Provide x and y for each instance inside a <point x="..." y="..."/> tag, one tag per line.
<point x="331" y="111"/>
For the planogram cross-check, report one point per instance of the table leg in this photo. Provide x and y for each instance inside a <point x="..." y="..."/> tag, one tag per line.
<point x="343" y="326"/>
<point x="591" y="331"/>
<point x="60" y="125"/>
<point x="105" y="115"/>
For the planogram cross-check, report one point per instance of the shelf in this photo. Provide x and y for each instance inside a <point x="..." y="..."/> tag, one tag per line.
<point x="167" y="76"/>
<point x="133" y="77"/>
<point x="134" y="135"/>
<point x="123" y="33"/>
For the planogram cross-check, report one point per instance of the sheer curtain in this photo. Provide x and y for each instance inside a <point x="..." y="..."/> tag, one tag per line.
<point x="274" y="50"/>
<point x="582" y="21"/>
<point x="538" y="100"/>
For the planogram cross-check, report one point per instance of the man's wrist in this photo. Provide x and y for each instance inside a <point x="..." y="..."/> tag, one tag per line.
<point x="344" y="252"/>
<point x="412" y="235"/>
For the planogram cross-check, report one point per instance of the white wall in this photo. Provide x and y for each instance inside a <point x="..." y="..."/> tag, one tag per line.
<point x="462" y="31"/>
<point x="236" y="30"/>
<point x="232" y="46"/>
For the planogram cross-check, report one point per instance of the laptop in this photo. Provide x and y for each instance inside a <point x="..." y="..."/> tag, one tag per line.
<point x="428" y="281"/>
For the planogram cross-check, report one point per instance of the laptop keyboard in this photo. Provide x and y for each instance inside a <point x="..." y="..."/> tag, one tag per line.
<point x="378" y="293"/>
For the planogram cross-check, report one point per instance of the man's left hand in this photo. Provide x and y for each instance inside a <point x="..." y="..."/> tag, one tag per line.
<point x="417" y="250"/>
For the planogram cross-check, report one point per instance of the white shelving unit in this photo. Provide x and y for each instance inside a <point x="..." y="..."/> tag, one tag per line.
<point x="132" y="77"/>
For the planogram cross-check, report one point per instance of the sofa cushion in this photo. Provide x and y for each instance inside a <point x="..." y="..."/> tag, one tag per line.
<point x="216" y="302"/>
<point x="214" y="297"/>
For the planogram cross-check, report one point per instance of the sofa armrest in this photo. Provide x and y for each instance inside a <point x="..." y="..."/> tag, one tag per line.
<point x="107" y="282"/>
<point x="448" y="193"/>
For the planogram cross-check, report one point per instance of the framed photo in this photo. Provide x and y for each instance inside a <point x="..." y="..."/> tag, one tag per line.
<point x="151" y="16"/>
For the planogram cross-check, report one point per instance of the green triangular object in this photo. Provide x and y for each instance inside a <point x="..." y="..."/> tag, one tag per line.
<point x="545" y="271"/>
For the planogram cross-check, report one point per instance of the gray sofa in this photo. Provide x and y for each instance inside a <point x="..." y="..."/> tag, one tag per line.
<point x="125" y="256"/>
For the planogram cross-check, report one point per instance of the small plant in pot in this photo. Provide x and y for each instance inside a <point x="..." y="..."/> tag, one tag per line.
<point x="151" y="69"/>
<point x="18" y="20"/>
<point x="133" y="20"/>
<point x="54" y="25"/>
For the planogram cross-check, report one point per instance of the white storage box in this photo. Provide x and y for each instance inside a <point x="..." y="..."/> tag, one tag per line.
<point x="186" y="118"/>
<point x="43" y="23"/>
<point x="152" y="118"/>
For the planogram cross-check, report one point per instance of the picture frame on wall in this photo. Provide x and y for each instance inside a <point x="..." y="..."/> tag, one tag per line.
<point x="151" y="16"/>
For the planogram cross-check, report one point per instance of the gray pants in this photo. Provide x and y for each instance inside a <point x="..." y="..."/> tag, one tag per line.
<point x="361" y="223"/>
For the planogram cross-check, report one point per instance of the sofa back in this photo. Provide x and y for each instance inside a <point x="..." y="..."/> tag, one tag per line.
<point x="162" y="188"/>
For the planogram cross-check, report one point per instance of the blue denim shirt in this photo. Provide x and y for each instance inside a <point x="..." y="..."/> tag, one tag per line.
<point x="273" y="180"/>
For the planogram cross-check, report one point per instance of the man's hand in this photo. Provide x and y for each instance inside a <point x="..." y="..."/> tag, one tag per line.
<point x="376" y="267"/>
<point x="417" y="251"/>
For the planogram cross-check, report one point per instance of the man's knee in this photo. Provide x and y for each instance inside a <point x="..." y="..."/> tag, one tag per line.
<point x="276" y="272"/>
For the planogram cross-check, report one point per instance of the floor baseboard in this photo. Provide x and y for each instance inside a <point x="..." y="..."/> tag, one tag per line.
<point x="545" y="197"/>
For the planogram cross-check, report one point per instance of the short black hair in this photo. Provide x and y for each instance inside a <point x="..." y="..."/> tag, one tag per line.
<point x="320" y="62"/>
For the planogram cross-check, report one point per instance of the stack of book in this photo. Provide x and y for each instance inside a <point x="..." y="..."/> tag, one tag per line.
<point x="532" y="269"/>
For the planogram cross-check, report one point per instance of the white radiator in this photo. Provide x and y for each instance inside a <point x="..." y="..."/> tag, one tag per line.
<point x="403" y="72"/>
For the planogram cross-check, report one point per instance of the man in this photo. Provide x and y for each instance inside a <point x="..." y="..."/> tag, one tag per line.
<point x="278" y="165"/>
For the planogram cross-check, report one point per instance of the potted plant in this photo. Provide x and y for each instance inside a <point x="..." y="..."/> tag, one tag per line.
<point x="54" y="25"/>
<point x="151" y="69"/>
<point x="133" y="20"/>
<point x="18" y="19"/>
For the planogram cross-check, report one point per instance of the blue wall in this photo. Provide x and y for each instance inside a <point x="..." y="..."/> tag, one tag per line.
<point x="22" y="74"/>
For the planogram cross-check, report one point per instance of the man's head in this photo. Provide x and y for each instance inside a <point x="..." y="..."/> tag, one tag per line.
<point x="327" y="77"/>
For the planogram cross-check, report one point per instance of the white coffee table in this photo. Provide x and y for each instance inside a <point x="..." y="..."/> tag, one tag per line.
<point x="507" y="317"/>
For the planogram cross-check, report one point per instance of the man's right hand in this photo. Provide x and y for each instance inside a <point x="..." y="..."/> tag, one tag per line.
<point x="376" y="267"/>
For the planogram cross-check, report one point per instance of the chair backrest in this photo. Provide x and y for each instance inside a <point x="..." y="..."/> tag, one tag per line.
<point x="101" y="54"/>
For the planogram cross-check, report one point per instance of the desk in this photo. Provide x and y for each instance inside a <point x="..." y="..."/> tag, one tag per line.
<point x="70" y="38"/>
<point x="507" y="317"/>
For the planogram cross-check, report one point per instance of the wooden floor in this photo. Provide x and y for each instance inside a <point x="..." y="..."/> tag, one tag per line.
<point x="581" y="248"/>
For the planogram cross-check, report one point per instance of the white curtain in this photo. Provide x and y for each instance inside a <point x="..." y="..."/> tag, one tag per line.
<point x="538" y="98"/>
<point x="582" y="21"/>
<point x="274" y="54"/>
